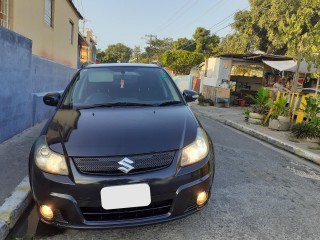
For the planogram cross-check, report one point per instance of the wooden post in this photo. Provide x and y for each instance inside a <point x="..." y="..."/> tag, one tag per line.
<point x="296" y="77"/>
<point x="317" y="87"/>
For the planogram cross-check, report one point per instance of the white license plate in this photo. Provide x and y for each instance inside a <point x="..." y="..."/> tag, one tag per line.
<point x="125" y="196"/>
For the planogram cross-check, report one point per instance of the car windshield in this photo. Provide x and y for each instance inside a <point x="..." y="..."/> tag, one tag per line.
<point x="121" y="86"/>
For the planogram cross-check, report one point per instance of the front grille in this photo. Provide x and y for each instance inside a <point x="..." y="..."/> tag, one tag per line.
<point x="110" y="165"/>
<point x="58" y="218"/>
<point x="100" y="214"/>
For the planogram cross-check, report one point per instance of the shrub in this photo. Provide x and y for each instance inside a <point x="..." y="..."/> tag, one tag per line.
<point x="204" y="101"/>
<point x="312" y="107"/>
<point x="246" y="114"/>
<point x="261" y="101"/>
<point x="306" y="130"/>
<point x="279" y="108"/>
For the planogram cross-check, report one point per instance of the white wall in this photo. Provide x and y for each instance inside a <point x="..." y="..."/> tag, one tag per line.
<point x="218" y="69"/>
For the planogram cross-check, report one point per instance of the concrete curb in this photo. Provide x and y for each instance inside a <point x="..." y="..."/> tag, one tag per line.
<point x="276" y="142"/>
<point x="14" y="206"/>
<point x="315" y="158"/>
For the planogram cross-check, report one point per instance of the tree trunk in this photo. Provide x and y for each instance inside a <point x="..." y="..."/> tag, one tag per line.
<point x="296" y="77"/>
<point x="317" y="87"/>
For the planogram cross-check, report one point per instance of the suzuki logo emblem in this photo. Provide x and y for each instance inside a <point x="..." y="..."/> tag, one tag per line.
<point x="125" y="163"/>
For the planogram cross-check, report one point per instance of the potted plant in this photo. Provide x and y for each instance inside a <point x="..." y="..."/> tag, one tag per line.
<point x="280" y="115"/>
<point x="261" y="106"/>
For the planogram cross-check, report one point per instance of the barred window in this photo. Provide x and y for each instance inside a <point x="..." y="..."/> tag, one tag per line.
<point x="48" y="12"/>
<point x="4" y="13"/>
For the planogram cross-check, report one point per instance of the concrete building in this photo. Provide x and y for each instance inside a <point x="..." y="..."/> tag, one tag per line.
<point x="88" y="51"/>
<point x="52" y="25"/>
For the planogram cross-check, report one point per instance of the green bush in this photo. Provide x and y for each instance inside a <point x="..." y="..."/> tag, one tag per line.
<point x="261" y="101"/>
<point x="204" y="101"/>
<point x="312" y="107"/>
<point x="246" y="114"/>
<point x="306" y="130"/>
<point x="279" y="108"/>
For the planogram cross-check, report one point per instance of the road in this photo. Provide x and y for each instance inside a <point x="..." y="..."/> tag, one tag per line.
<point x="259" y="193"/>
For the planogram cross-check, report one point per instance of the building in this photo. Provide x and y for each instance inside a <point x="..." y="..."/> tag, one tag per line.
<point x="87" y="46"/>
<point x="52" y="25"/>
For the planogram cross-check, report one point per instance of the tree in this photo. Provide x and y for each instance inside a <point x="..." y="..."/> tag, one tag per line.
<point x="100" y="54"/>
<point x="117" y="53"/>
<point x="181" y="61"/>
<point x="136" y="53"/>
<point x="236" y="43"/>
<point x="184" y="44"/>
<point x="277" y="27"/>
<point x="205" y="42"/>
<point x="157" y="47"/>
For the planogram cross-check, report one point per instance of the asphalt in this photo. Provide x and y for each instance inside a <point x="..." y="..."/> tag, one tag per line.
<point x="234" y="117"/>
<point x="260" y="192"/>
<point x="15" y="189"/>
<point x="14" y="159"/>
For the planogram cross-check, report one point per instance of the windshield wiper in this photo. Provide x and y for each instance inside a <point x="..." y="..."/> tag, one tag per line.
<point x="169" y="103"/>
<point x="116" y="104"/>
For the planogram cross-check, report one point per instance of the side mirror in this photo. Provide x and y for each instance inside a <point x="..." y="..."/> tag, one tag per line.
<point x="51" y="99"/>
<point x="190" y="95"/>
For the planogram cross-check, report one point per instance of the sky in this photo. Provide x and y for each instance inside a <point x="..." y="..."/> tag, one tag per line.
<point x="128" y="21"/>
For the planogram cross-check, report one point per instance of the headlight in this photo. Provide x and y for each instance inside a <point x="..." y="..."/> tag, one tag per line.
<point x="197" y="150"/>
<point x="49" y="161"/>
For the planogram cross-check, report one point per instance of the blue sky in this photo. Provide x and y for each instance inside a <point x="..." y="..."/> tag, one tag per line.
<point x="128" y="21"/>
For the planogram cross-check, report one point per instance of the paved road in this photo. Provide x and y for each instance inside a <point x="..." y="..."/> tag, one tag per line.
<point x="259" y="193"/>
<point x="14" y="155"/>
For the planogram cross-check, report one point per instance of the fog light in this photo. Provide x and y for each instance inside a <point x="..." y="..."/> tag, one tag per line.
<point x="46" y="212"/>
<point x="202" y="198"/>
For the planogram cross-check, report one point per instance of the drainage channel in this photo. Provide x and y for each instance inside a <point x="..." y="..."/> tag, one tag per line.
<point x="29" y="226"/>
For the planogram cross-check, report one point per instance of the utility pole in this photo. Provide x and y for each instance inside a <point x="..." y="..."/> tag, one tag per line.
<point x="149" y="38"/>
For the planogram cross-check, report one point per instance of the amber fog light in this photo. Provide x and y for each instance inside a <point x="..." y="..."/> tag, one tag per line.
<point x="46" y="212"/>
<point x="202" y="198"/>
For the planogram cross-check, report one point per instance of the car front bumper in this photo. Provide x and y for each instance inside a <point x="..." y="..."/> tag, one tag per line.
<point x="76" y="200"/>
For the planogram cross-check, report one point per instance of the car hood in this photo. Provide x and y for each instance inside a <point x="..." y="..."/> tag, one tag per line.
<point x="121" y="130"/>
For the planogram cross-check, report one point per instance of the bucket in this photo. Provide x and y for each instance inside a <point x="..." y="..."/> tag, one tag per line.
<point x="242" y="102"/>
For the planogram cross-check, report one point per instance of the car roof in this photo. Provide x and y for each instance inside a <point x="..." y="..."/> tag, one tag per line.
<point x="101" y="65"/>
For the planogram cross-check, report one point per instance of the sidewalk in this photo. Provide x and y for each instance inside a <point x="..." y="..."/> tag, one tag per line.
<point x="234" y="117"/>
<point x="15" y="189"/>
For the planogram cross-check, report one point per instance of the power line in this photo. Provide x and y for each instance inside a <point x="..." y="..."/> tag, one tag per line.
<point x="227" y="18"/>
<point x="230" y="24"/>
<point x="177" y="16"/>
<point x="204" y="14"/>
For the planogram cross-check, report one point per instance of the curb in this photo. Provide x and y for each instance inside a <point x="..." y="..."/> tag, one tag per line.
<point x="276" y="142"/>
<point x="14" y="206"/>
<point x="315" y="158"/>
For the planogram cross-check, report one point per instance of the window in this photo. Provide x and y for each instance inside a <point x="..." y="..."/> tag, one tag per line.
<point x="4" y="12"/>
<point x="121" y="84"/>
<point x="71" y="32"/>
<point x="48" y="12"/>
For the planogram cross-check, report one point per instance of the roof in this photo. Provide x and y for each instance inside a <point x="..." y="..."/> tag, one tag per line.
<point x="75" y="9"/>
<point x="291" y="66"/>
<point x="82" y="40"/>
<point x="121" y="65"/>
<point x="254" y="57"/>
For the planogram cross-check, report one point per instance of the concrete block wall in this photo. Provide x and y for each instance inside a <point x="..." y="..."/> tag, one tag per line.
<point x="15" y="83"/>
<point x="47" y="76"/>
<point x="24" y="79"/>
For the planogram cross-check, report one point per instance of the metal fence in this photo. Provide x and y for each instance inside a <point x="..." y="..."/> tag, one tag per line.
<point x="295" y="102"/>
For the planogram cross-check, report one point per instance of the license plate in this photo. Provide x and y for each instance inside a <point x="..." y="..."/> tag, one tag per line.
<point x="125" y="196"/>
